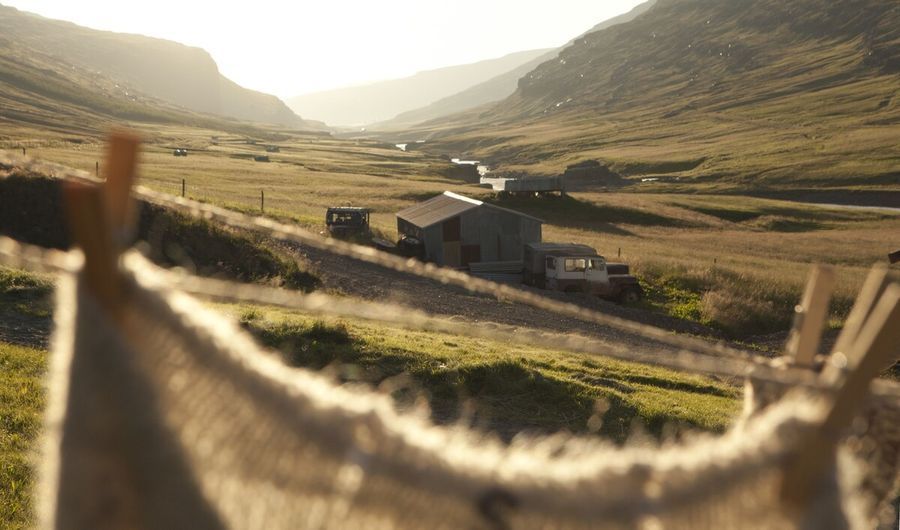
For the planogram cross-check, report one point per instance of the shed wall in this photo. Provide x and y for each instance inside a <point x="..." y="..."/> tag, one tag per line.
<point x="500" y="235"/>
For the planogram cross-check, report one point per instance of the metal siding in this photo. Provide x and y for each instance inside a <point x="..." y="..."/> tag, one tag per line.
<point x="483" y="226"/>
<point x="433" y="243"/>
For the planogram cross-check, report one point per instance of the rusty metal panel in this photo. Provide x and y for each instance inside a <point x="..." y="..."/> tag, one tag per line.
<point x="452" y="254"/>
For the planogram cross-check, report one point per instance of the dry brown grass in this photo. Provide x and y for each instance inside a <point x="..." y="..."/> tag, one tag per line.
<point x="735" y="262"/>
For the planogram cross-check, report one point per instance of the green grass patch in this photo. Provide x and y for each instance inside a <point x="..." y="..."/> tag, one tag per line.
<point x="21" y="403"/>
<point x="19" y="284"/>
<point x="717" y="296"/>
<point x="503" y="388"/>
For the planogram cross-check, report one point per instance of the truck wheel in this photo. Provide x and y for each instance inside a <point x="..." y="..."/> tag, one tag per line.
<point x="631" y="294"/>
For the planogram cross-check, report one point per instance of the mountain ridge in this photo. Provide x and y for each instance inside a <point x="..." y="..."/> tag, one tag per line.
<point x="748" y="93"/>
<point x="382" y="100"/>
<point x="149" y="65"/>
<point x="498" y="87"/>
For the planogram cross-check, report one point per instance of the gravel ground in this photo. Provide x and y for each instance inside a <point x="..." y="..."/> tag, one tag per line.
<point x="373" y="282"/>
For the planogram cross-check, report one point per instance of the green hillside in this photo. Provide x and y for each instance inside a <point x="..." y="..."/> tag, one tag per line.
<point x="497" y="87"/>
<point x="136" y="68"/>
<point x="742" y="93"/>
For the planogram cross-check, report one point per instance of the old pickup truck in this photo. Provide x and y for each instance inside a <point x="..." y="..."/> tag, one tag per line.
<point x="575" y="268"/>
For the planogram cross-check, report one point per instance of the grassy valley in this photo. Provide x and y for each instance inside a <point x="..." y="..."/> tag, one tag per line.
<point x="724" y="95"/>
<point x="735" y="263"/>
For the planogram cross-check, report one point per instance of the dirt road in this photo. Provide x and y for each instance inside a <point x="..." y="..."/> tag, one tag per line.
<point x="372" y="282"/>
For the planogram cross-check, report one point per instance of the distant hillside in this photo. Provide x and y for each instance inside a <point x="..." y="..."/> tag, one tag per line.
<point x="381" y="101"/>
<point x="752" y="92"/>
<point x="184" y="76"/>
<point x="498" y="87"/>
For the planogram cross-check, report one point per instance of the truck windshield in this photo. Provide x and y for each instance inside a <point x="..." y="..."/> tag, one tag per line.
<point x="344" y="218"/>
<point x="576" y="265"/>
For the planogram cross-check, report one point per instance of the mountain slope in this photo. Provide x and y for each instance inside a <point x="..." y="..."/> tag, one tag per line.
<point x="184" y="76"/>
<point x="384" y="100"/>
<point x="498" y="87"/>
<point x="752" y="92"/>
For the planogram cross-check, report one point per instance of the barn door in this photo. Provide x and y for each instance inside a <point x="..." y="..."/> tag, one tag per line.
<point x="452" y="234"/>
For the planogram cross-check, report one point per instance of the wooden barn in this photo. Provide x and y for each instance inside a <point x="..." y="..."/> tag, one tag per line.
<point x="456" y="230"/>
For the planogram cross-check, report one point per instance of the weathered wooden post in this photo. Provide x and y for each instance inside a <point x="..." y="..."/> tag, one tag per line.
<point x="182" y="187"/>
<point x="262" y="201"/>
<point x="810" y="316"/>
<point x="97" y="168"/>
<point x="23" y="151"/>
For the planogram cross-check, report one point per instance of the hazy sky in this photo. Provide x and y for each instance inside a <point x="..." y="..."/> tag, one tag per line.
<point x="293" y="47"/>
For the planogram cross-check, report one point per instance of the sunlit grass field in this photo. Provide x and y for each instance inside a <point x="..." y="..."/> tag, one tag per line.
<point x="733" y="262"/>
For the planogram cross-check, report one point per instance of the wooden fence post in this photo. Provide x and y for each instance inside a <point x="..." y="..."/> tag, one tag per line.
<point x="810" y="316"/>
<point x="262" y="201"/>
<point x="874" y="347"/>
<point x="872" y="289"/>
<point x="182" y="187"/>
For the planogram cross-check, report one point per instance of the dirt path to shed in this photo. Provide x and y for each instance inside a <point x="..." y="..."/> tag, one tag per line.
<point x="372" y="282"/>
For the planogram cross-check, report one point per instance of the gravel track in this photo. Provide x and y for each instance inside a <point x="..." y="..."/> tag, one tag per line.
<point x="368" y="281"/>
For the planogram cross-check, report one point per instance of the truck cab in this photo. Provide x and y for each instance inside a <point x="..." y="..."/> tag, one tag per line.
<point x="593" y="275"/>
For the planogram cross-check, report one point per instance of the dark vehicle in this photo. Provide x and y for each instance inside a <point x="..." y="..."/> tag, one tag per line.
<point x="343" y="221"/>
<point x="180" y="152"/>
<point x="273" y="149"/>
<point x="411" y="247"/>
<point x="261" y="158"/>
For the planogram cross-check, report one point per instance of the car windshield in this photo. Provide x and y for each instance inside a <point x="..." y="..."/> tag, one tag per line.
<point x="576" y="265"/>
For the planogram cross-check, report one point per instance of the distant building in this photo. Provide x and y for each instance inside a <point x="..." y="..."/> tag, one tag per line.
<point x="456" y="230"/>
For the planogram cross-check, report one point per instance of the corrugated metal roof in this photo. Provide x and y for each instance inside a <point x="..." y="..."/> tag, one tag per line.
<point x="437" y="209"/>
<point x="446" y="206"/>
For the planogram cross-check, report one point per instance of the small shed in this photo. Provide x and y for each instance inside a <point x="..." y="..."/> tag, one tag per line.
<point x="457" y="230"/>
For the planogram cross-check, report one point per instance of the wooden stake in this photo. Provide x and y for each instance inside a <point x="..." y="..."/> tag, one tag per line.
<point x="262" y="201"/>
<point x="89" y="226"/>
<point x="809" y="320"/>
<point x="875" y="347"/>
<point x="119" y="171"/>
<point x="183" y="184"/>
<point x="872" y="289"/>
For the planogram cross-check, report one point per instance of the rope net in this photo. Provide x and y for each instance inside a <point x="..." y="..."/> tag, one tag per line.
<point x="173" y="418"/>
